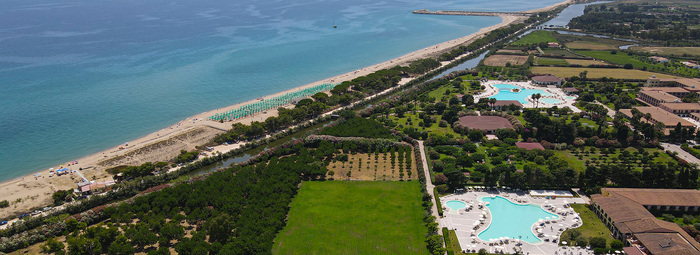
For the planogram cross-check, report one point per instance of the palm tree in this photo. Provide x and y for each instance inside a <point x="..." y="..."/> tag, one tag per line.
<point x="492" y="102"/>
<point x="536" y="98"/>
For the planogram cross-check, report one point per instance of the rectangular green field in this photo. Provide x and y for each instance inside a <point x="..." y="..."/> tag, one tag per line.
<point x="551" y="62"/>
<point x="617" y="73"/>
<point x="678" y="51"/>
<point x="583" y="45"/>
<point x="536" y="37"/>
<point x="340" y="217"/>
<point x="619" y="58"/>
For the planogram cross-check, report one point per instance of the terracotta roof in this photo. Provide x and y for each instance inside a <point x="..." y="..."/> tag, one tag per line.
<point x="666" y="89"/>
<point x="632" y="251"/>
<point x="667" y="243"/>
<point x="662" y="197"/>
<point x="507" y="102"/>
<point x="659" y="115"/>
<point x="529" y="146"/>
<point x="621" y="209"/>
<point x="687" y="82"/>
<point x="681" y="106"/>
<point x="571" y="89"/>
<point x="546" y="78"/>
<point x="485" y="122"/>
<point x="660" y="95"/>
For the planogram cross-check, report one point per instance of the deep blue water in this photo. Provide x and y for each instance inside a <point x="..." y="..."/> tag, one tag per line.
<point x="78" y="76"/>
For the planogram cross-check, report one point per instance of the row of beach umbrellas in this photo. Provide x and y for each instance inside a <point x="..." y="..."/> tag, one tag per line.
<point x="271" y="103"/>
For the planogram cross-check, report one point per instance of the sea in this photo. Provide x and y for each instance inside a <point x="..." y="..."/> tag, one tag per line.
<point x="80" y="76"/>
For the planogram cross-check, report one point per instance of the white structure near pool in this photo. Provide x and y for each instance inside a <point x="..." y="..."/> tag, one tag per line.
<point x="523" y="91"/>
<point x="502" y="221"/>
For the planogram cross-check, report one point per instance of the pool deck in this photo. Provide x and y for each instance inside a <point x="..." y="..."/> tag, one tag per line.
<point x="556" y="93"/>
<point x="463" y="220"/>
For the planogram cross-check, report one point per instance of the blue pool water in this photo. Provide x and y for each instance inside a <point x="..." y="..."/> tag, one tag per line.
<point x="512" y="220"/>
<point x="455" y="205"/>
<point x="550" y="100"/>
<point x="505" y="93"/>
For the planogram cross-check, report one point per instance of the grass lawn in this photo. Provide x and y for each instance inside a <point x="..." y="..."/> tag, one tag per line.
<point x="619" y="58"/>
<point x="678" y="51"/>
<point x="559" y="52"/>
<point x="585" y="62"/>
<point x="592" y="226"/>
<point x="551" y="62"/>
<point x="536" y="37"/>
<point x="338" y="217"/>
<point x="616" y="73"/>
<point x="586" y="45"/>
<point x="433" y="129"/>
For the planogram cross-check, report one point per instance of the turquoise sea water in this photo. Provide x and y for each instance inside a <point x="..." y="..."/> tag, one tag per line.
<point x="512" y="220"/>
<point x="504" y="93"/>
<point x="77" y="77"/>
<point x="455" y="205"/>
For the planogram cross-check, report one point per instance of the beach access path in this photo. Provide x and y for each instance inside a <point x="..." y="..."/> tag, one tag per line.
<point x="165" y="144"/>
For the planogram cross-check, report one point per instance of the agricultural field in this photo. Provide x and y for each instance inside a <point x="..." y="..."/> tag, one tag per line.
<point x="339" y="217"/>
<point x="586" y="45"/>
<point x="374" y="167"/>
<point x="620" y="58"/>
<point x="560" y="52"/>
<point x="666" y="51"/>
<point x="510" y="51"/>
<point x="616" y="73"/>
<point x="501" y="60"/>
<point x="585" y="62"/>
<point x="551" y="62"/>
<point x="628" y="156"/>
<point x="536" y="37"/>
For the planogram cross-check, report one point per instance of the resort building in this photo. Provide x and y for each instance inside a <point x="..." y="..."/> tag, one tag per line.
<point x="625" y="213"/>
<point x="681" y="109"/>
<point x="489" y="124"/>
<point x="529" y="146"/>
<point x="655" y="97"/>
<point x="500" y="104"/>
<point x="691" y="64"/>
<point x="675" y="91"/>
<point x="547" y="80"/>
<point x="670" y="120"/>
<point x="692" y="85"/>
<point x="570" y="91"/>
<point x="695" y="116"/>
<point x="553" y="45"/>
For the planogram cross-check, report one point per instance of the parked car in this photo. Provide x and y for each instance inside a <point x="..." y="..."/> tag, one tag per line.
<point x="3" y="222"/>
<point x="22" y="216"/>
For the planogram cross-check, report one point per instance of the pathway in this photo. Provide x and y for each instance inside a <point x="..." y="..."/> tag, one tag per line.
<point x="611" y="112"/>
<point x="429" y="184"/>
<point x="681" y="153"/>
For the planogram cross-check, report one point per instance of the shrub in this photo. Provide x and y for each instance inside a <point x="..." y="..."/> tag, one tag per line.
<point x="616" y="244"/>
<point x="437" y="200"/>
<point x="597" y="242"/>
<point x="4" y="204"/>
<point x="440" y="179"/>
<point x="581" y="241"/>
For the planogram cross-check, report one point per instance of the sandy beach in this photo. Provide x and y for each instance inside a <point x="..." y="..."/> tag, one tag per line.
<point x="34" y="191"/>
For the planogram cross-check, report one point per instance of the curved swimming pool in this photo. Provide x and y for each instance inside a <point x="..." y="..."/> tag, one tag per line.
<point x="504" y="93"/>
<point x="513" y="220"/>
<point x="455" y="205"/>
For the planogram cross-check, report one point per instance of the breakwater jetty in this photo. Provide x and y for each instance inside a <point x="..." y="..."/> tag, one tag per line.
<point x="472" y="13"/>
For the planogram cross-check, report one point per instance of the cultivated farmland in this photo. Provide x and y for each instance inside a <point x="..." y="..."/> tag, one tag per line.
<point x="678" y="51"/>
<point x="616" y="73"/>
<point x="374" y="167"/>
<point x="501" y="60"/>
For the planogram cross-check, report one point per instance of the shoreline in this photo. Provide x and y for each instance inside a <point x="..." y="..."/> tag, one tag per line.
<point x="34" y="190"/>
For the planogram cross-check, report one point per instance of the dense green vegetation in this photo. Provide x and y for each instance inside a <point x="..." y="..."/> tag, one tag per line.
<point x="662" y="21"/>
<point x="337" y="217"/>
<point x="359" y="127"/>
<point x="627" y="61"/>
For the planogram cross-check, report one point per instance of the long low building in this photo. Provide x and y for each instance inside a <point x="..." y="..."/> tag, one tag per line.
<point x="624" y="212"/>
<point x="669" y="120"/>
<point x="489" y="124"/>
<point x="681" y="109"/>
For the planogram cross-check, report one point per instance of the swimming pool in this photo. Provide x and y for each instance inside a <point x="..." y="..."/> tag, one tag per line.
<point x="504" y="93"/>
<point x="513" y="220"/>
<point x="550" y="100"/>
<point x="455" y="205"/>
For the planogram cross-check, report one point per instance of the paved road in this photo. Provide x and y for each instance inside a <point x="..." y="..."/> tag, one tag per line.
<point x="681" y="153"/>
<point x="611" y="112"/>
<point x="428" y="184"/>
